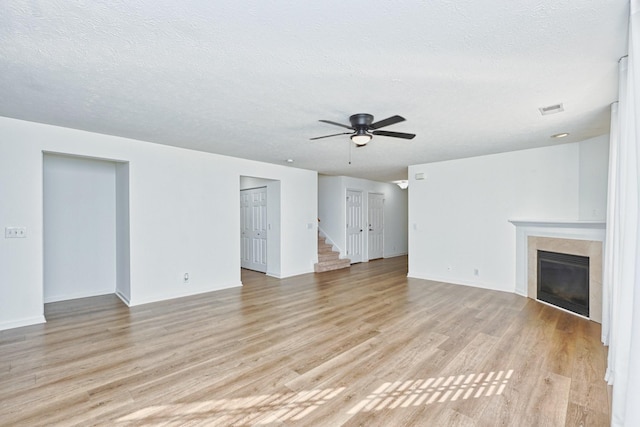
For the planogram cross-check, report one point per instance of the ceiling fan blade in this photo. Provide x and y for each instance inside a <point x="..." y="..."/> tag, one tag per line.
<point x="329" y="136"/>
<point x="336" y="124"/>
<point x="387" y="122"/>
<point x="394" y="134"/>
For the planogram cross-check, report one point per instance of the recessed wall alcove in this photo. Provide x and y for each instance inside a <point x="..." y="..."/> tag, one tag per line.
<point x="583" y="238"/>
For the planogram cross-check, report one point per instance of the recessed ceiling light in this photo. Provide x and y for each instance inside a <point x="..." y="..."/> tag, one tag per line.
<point x="560" y="135"/>
<point x="551" y="109"/>
<point x="289" y="160"/>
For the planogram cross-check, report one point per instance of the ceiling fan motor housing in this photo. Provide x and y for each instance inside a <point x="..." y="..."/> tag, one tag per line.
<point x="361" y="120"/>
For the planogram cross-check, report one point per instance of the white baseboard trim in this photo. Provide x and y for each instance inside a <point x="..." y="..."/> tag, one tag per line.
<point x="26" y="321"/>
<point x="455" y="281"/>
<point x="277" y="276"/>
<point x="123" y="298"/>
<point x="165" y="297"/>
<point x="67" y="297"/>
<point x="395" y="255"/>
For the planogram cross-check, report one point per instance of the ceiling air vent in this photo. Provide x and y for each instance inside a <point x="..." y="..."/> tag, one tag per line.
<point x="551" y="109"/>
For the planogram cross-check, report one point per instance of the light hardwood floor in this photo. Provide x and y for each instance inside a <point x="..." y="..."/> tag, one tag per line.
<point x="358" y="347"/>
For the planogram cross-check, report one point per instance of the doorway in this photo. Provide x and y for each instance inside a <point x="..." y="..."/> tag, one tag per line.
<point x="253" y="229"/>
<point x="260" y="203"/>
<point x="85" y="227"/>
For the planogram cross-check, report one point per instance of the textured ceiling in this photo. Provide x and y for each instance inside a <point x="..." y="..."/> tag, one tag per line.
<point x="251" y="78"/>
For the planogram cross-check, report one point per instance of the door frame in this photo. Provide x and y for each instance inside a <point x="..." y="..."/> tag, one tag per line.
<point x="121" y="228"/>
<point x="250" y="233"/>
<point x="273" y="217"/>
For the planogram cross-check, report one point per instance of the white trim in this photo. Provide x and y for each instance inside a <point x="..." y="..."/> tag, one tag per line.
<point x="456" y="282"/>
<point x="559" y="224"/>
<point x="395" y="255"/>
<point x="123" y="298"/>
<point x="77" y="295"/>
<point x="170" y="296"/>
<point x="27" y="321"/>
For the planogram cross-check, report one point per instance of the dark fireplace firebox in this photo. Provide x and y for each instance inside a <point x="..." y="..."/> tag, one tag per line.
<point x="563" y="280"/>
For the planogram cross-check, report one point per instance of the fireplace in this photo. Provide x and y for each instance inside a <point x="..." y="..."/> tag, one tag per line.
<point x="583" y="238"/>
<point x="563" y="280"/>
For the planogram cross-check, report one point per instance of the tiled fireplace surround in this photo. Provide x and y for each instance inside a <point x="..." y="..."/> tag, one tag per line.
<point x="584" y="238"/>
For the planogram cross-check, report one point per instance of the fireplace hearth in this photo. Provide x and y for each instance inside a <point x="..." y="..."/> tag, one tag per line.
<point x="563" y="280"/>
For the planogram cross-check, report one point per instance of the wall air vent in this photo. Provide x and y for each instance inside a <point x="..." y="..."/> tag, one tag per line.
<point x="551" y="109"/>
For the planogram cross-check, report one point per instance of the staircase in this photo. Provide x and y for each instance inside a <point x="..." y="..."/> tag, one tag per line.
<point x="328" y="259"/>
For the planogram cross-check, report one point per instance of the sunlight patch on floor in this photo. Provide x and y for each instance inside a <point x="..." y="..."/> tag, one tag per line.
<point x="402" y="394"/>
<point x="256" y="410"/>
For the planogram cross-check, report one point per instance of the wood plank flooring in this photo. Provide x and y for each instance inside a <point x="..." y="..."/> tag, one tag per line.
<point x="364" y="346"/>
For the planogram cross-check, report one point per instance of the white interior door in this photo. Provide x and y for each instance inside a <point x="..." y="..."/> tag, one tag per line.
<point x="253" y="229"/>
<point x="376" y="225"/>
<point x="354" y="226"/>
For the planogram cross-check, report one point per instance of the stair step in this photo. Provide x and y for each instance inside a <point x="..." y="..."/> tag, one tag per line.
<point x="328" y="256"/>
<point x="324" y="247"/>
<point x="328" y="259"/>
<point x="321" y="267"/>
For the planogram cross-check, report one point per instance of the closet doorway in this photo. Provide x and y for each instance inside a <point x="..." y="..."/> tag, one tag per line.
<point x="260" y="225"/>
<point x="86" y="227"/>
<point x="253" y="229"/>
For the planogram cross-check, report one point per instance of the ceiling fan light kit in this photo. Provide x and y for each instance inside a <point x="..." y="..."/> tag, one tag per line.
<point x="364" y="128"/>
<point x="361" y="137"/>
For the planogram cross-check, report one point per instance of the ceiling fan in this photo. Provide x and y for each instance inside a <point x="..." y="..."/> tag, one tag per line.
<point x="363" y="128"/>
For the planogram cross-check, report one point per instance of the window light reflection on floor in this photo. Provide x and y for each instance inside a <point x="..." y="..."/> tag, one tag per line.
<point x="293" y="406"/>
<point x="424" y="392"/>
<point x="255" y="410"/>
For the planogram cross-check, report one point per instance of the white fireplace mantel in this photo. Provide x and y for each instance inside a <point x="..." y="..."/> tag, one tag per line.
<point x="551" y="224"/>
<point x="561" y="229"/>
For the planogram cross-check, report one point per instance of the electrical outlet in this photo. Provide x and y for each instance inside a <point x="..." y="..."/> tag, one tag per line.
<point x="15" y="232"/>
<point x="185" y="278"/>
<point x="476" y="272"/>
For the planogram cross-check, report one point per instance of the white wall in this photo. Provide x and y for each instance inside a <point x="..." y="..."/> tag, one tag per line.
<point x="458" y="215"/>
<point x="79" y="227"/>
<point x="332" y="193"/>
<point x="274" y="232"/>
<point x="594" y="169"/>
<point x="123" y="239"/>
<point x="184" y="215"/>
<point x="396" y="219"/>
